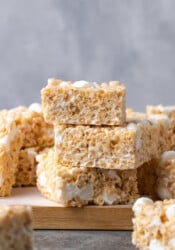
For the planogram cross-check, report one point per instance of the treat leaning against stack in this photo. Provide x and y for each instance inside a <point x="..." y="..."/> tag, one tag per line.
<point x="96" y="148"/>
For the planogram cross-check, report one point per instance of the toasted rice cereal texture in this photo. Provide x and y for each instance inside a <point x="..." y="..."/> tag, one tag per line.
<point x="80" y="186"/>
<point x="163" y="124"/>
<point x="10" y="144"/>
<point x="169" y="112"/>
<point x="30" y="121"/>
<point x="16" y="228"/>
<point x="107" y="147"/>
<point x="154" y="224"/>
<point x="84" y="103"/>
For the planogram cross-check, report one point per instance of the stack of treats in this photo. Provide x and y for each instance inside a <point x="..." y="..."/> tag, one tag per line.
<point x="84" y="147"/>
<point x="102" y="154"/>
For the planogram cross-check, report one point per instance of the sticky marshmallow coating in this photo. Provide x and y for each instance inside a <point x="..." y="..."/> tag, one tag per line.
<point x="166" y="176"/>
<point x="154" y="224"/>
<point x="84" y="103"/>
<point x="16" y="228"/>
<point x="107" y="147"/>
<point x="80" y="186"/>
<point x="10" y="144"/>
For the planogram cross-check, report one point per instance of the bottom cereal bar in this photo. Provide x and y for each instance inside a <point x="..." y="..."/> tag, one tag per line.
<point x="26" y="169"/>
<point x="154" y="224"/>
<point x="15" y="228"/>
<point x="80" y="186"/>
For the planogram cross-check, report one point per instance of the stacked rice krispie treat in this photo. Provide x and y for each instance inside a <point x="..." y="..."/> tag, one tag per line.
<point x="98" y="151"/>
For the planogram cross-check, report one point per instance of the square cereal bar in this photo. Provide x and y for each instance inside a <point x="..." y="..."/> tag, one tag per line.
<point x="30" y="121"/>
<point x="154" y="224"/>
<point x="169" y="112"/>
<point x="10" y="144"/>
<point x="16" y="228"/>
<point x="108" y="147"/>
<point x="84" y="103"/>
<point x="80" y="186"/>
<point x="26" y="169"/>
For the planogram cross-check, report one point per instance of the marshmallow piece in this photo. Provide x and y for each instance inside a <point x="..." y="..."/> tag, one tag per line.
<point x="36" y="107"/>
<point x="139" y="202"/>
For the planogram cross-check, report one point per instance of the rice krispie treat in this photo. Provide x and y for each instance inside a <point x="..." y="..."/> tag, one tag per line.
<point x="108" y="147"/>
<point x="10" y="144"/>
<point x="168" y="111"/>
<point x="84" y="103"/>
<point x="80" y="186"/>
<point x="163" y="124"/>
<point x="26" y="169"/>
<point x="166" y="175"/>
<point x="16" y="228"/>
<point x="154" y="224"/>
<point x="30" y="121"/>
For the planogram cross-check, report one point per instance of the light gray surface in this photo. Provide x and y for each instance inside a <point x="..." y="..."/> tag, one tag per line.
<point x="84" y="240"/>
<point x="132" y="41"/>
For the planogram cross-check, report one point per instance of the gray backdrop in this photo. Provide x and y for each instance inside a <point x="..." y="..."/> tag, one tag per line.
<point x="98" y="40"/>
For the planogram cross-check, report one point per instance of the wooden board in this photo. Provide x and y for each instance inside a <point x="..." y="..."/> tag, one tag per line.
<point x="48" y="215"/>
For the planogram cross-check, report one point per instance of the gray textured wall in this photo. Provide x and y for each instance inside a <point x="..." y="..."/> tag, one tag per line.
<point x="129" y="40"/>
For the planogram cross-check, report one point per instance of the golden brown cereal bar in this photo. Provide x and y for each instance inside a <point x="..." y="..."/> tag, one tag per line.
<point x="84" y="103"/>
<point x="107" y="147"/>
<point x="80" y="186"/>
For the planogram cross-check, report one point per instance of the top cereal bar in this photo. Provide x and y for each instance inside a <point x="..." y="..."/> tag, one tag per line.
<point x="84" y="103"/>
